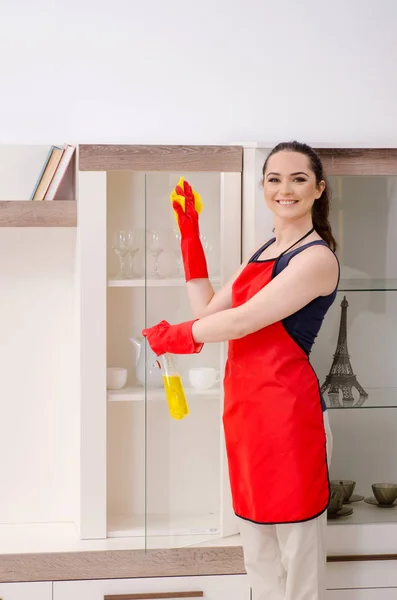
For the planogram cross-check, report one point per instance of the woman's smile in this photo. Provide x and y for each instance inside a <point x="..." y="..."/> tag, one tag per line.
<point x="287" y="202"/>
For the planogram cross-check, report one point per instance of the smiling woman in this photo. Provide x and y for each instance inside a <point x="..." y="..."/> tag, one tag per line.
<point x="276" y="426"/>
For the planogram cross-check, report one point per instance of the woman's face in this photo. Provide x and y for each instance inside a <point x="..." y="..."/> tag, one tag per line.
<point x="290" y="186"/>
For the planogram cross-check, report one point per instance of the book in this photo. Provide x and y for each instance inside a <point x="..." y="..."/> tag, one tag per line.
<point x="60" y="172"/>
<point x="47" y="173"/>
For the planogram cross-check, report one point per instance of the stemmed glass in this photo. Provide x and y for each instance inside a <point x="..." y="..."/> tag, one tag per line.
<point x="154" y="245"/>
<point x="132" y="240"/>
<point x="125" y="244"/>
<point x="121" y="249"/>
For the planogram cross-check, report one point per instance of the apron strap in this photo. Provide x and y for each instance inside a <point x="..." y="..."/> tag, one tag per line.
<point x="294" y="244"/>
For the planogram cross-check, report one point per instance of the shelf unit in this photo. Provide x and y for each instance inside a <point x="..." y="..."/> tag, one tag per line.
<point x="20" y="167"/>
<point x="144" y="475"/>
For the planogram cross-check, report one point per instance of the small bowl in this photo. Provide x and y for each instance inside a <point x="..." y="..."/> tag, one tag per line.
<point x="385" y="493"/>
<point x="345" y="486"/>
<point x="335" y="502"/>
<point x="116" y="378"/>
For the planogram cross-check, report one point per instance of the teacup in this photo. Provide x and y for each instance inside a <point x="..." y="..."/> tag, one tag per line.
<point x="204" y="378"/>
<point x="335" y="502"/>
<point x="345" y="486"/>
<point x="116" y="378"/>
<point x="385" y="493"/>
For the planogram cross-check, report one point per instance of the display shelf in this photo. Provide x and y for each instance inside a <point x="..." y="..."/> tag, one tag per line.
<point x="163" y="282"/>
<point x="364" y="513"/>
<point x="377" y="398"/>
<point x="367" y="285"/>
<point x="28" y="213"/>
<point x="158" y="525"/>
<point x="137" y="394"/>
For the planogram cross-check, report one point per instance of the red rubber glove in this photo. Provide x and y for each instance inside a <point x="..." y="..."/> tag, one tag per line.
<point x="176" y="339"/>
<point x="193" y="255"/>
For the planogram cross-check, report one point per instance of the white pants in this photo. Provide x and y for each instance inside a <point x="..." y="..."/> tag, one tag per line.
<point x="287" y="562"/>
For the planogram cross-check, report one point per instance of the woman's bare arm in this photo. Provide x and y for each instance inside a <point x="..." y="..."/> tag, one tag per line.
<point x="205" y="301"/>
<point x="311" y="274"/>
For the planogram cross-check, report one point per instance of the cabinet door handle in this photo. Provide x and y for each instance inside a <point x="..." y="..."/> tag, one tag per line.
<point x="155" y="596"/>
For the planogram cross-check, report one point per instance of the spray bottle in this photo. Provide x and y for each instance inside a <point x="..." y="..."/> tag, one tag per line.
<point x="173" y="386"/>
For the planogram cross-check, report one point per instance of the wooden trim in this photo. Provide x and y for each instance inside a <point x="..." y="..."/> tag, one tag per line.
<point x="155" y="596"/>
<point x="30" y="213"/>
<point x="130" y="564"/>
<point x="359" y="161"/>
<point x="95" y="157"/>
<point x="121" y="564"/>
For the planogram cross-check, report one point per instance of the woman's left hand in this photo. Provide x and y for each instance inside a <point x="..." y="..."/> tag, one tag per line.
<point x="176" y="339"/>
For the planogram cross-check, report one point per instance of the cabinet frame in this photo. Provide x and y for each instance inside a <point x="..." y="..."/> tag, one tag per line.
<point x="94" y="162"/>
<point x="345" y="542"/>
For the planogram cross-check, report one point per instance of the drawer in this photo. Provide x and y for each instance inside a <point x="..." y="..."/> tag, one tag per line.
<point x="225" y="587"/>
<point x="26" y="591"/>
<point x="362" y="574"/>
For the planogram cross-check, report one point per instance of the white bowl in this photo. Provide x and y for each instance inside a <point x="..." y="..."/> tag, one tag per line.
<point x="116" y="378"/>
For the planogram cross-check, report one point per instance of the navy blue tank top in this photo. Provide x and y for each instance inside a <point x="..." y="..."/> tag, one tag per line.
<point x="304" y="325"/>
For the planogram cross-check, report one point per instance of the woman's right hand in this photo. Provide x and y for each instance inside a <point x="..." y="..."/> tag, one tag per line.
<point x="193" y="256"/>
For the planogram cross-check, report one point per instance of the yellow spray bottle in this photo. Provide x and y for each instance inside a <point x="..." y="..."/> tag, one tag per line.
<point x="173" y="386"/>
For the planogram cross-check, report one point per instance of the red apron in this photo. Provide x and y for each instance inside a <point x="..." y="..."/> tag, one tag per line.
<point x="273" y="420"/>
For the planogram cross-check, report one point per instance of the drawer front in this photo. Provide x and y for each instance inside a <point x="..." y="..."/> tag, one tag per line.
<point x="26" y="591"/>
<point x="226" y="587"/>
<point x="365" y="574"/>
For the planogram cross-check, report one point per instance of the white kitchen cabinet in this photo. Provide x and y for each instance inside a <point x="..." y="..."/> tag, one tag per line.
<point x="144" y="476"/>
<point x="26" y="591"/>
<point x="226" y="587"/>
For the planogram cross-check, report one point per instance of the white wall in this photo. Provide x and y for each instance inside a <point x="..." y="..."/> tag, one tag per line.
<point x="39" y="431"/>
<point x="198" y="72"/>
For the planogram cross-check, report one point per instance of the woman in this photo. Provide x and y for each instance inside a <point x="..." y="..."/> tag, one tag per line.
<point x="275" y="421"/>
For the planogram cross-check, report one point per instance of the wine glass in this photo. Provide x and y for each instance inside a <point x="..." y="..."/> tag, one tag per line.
<point x="121" y="249"/>
<point x="132" y="241"/>
<point x="154" y="246"/>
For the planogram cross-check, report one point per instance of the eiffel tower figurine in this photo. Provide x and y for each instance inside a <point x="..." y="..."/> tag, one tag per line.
<point x="341" y="378"/>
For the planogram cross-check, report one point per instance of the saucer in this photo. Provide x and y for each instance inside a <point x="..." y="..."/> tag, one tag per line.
<point x="354" y="498"/>
<point x="373" y="500"/>
<point x="343" y="512"/>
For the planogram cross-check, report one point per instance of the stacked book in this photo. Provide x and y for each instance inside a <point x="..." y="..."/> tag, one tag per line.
<point x="52" y="173"/>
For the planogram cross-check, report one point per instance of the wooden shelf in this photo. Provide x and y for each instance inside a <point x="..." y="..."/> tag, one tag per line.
<point x="28" y="213"/>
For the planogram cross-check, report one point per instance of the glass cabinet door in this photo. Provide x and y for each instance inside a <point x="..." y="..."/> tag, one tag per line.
<point x="183" y="457"/>
<point x="167" y="482"/>
<point x="355" y="354"/>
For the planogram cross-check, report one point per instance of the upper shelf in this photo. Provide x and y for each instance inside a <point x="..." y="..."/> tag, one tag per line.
<point x="367" y="285"/>
<point x="163" y="282"/>
<point x="345" y="285"/>
<point x="28" y="213"/>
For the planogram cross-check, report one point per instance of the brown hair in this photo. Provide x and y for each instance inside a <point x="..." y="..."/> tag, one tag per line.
<point x="320" y="210"/>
